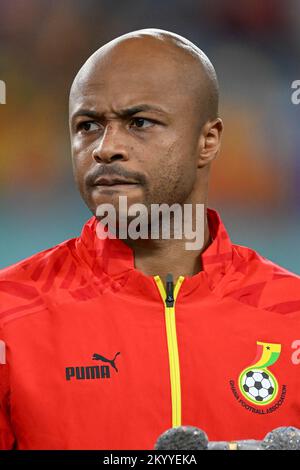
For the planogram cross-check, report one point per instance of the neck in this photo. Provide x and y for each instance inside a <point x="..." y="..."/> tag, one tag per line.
<point x="160" y="257"/>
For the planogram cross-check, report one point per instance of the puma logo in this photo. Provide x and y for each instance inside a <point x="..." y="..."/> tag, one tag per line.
<point x="97" y="357"/>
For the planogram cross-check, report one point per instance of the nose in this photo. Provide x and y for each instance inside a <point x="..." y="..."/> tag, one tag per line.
<point x="111" y="146"/>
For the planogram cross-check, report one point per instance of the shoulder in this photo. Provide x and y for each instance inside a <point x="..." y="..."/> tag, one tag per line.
<point x="263" y="283"/>
<point x="24" y="284"/>
<point x="32" y="268"/>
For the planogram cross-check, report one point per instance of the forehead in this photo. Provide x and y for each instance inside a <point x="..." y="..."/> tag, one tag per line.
<point x="121" y="80"/>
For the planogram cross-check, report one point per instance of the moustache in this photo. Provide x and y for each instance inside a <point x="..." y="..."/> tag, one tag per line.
<point x="114" y="171"/>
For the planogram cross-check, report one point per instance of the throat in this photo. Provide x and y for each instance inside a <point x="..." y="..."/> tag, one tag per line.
<point x="168" y="256"/>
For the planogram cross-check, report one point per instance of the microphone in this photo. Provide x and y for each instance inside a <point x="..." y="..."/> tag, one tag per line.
<point x="282" y="438"/>
<point x="247" y="444"/>
<point x="193" y="438"/>
<point x="182" y="438"/>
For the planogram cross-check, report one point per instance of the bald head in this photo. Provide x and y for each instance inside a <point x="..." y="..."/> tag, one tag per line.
<point x="190" y="67"/>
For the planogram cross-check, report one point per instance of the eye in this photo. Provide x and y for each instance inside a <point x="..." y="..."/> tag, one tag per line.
<point x="142" y="123"/>
<point x="87" y="126"/>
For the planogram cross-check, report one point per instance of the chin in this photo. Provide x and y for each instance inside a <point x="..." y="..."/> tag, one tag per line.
<point x="113" y="199"/>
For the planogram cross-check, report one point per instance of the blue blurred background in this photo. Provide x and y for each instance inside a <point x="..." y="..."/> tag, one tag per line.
<point x="254" y="45"/>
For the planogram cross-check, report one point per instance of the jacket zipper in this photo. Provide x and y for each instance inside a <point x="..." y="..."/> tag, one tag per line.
<point x="169" y="299"/>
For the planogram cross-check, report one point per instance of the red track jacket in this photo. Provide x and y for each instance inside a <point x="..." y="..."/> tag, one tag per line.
<point x="95" y="355"/>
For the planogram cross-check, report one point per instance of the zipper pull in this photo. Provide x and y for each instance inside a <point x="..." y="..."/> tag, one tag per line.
<point x="170" y="291"/>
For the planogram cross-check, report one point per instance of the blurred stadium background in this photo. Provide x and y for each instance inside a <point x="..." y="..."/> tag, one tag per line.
<point x="254" y="45"/>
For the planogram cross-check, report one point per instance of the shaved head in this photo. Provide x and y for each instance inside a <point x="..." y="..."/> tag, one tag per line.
<point x="144" y="108"/>
<point x="191" y="65"/>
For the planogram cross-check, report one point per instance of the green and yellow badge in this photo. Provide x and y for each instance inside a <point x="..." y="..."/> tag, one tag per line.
<point x="256" y="383"/>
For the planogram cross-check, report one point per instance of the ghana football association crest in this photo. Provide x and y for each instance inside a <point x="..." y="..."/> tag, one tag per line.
<point x="257" y="384"/>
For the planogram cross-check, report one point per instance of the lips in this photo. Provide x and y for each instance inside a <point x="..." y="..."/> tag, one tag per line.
<point x="112" y="182"/>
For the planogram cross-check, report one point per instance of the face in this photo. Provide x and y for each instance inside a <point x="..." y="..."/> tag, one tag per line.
<point x="134" y="130"/>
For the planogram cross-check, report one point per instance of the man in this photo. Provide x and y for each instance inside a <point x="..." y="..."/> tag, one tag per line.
<point x="106" y="343"/>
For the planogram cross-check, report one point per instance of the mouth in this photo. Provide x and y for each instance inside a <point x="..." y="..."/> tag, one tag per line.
<point x="110" y="189"/>
<point x="114" y="183"/>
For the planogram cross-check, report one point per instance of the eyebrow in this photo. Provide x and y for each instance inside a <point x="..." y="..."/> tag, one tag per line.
<point x="125" y="112"/>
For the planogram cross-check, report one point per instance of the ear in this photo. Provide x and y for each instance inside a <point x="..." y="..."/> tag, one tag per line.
<point x="209" y="142"/>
